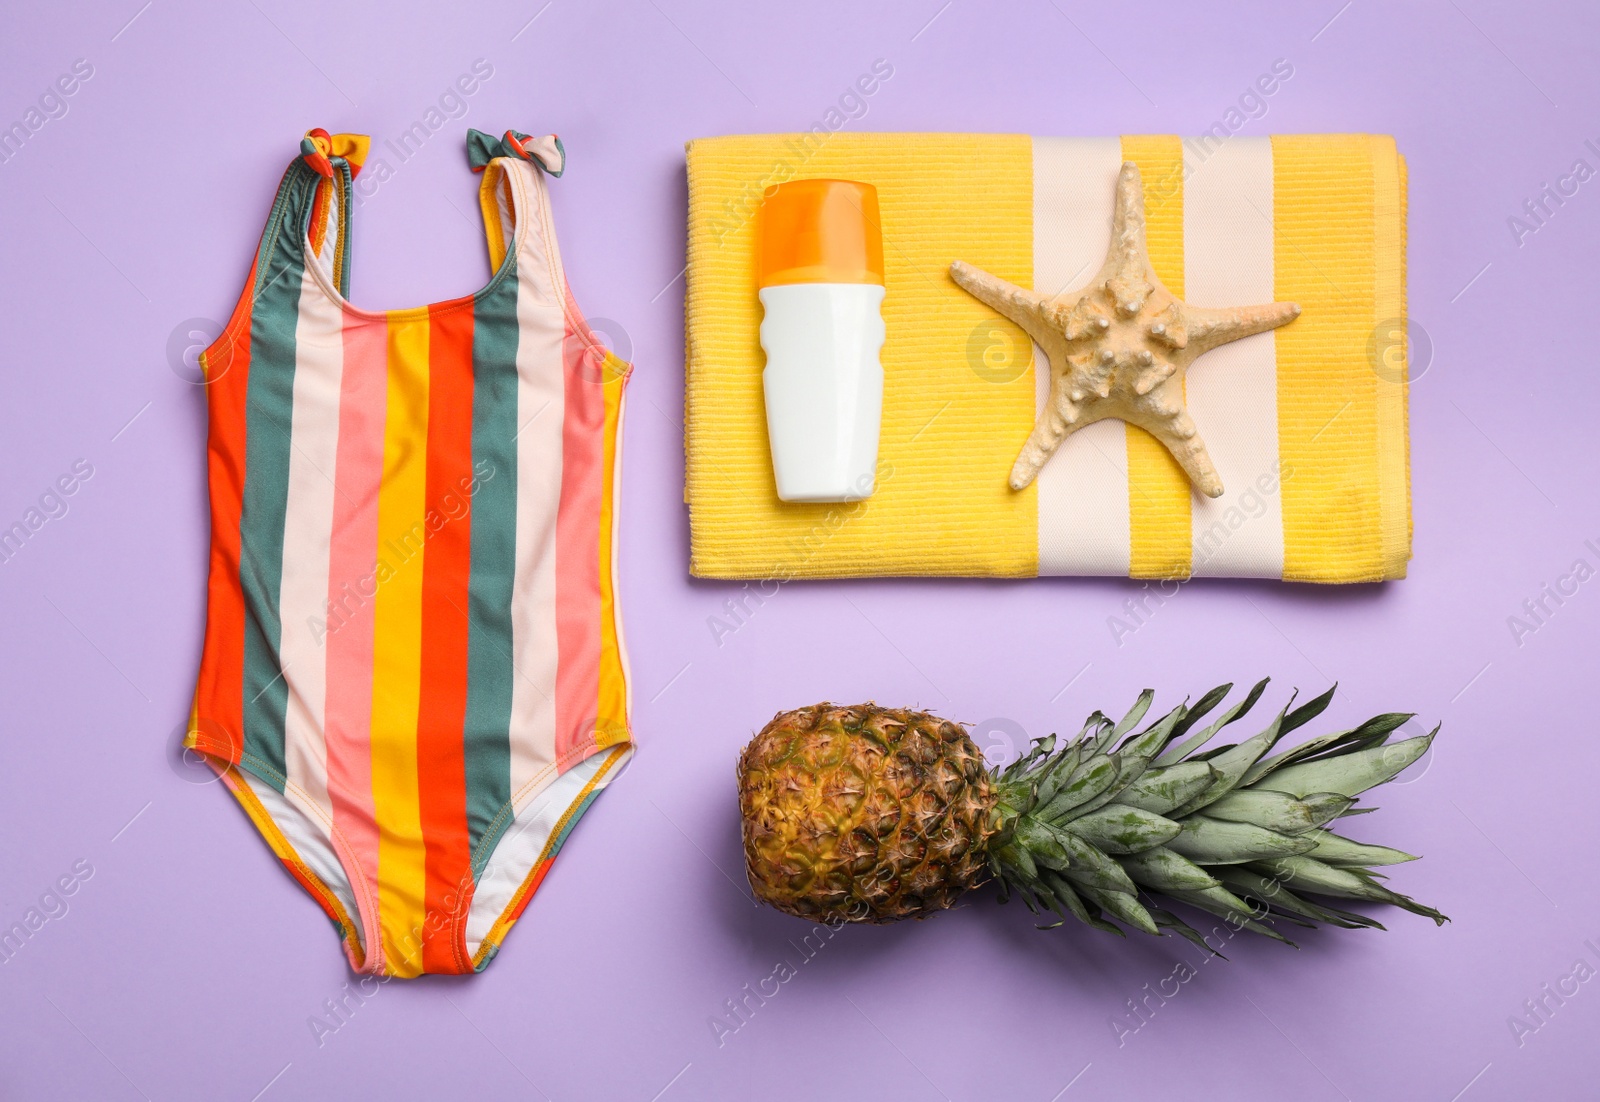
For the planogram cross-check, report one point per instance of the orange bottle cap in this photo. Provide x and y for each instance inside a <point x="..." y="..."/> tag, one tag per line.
<point x="819" y="231"/>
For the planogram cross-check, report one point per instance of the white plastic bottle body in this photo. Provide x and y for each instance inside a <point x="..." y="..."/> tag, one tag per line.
<point x="824" y="387"/>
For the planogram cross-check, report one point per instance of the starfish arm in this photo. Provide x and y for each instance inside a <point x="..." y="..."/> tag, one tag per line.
<point x="1017" y="303"/>
<point x="1209" y="328"/>
<point x="1178" y="434"/>
<point x="1127" y="216"/>
<point x="1049" y="431"/>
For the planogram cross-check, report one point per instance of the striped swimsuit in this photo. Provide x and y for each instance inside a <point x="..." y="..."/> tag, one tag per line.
<point x="413" y="675"/>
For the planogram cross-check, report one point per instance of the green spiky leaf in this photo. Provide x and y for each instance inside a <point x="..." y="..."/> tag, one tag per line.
<point x="1120" y="829"/>
<point x="1349" y="774"/>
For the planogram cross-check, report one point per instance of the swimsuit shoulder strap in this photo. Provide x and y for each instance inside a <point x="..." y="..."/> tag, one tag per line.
<point x="514" y="167"/>
<point x="309" y="223"/>
<point x="310" y="219"/>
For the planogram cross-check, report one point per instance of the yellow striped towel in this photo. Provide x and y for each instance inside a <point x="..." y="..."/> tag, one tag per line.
<point x="1306" y="424"/>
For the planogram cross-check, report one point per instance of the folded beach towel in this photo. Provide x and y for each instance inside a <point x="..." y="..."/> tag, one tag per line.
<point x="1306" y="424"/>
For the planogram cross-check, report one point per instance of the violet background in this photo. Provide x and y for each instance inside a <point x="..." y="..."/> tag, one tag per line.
<point x="189" y="964"/>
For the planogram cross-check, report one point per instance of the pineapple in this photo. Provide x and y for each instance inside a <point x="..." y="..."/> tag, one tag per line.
<point x="868" y="814"/>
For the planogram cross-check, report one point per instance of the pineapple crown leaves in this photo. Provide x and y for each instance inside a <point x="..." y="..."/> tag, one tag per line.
<point x="1114" y="822"/>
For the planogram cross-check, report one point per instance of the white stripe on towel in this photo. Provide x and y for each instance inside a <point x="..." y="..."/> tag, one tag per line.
<point x="1232" y="391"/>
<point x="1083" y="489"/>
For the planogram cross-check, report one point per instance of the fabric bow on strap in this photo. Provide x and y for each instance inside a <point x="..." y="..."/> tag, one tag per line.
<point x="318" y="147"/>
<point x="546" y="152"/>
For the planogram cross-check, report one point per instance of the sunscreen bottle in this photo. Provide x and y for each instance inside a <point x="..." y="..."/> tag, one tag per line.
<point x="819" y="271"/>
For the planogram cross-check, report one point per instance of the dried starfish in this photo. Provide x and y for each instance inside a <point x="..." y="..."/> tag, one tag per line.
<point x="1120" y="347"/>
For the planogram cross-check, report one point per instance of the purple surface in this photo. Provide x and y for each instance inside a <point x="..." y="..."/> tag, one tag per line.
<point x="188" y="965"/>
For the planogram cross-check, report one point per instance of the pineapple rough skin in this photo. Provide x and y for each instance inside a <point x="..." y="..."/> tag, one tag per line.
<point x="864" y="814"/>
